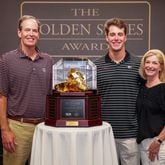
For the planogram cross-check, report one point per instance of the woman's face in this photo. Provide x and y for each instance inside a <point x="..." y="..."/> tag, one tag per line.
<point x="152" y="66"/>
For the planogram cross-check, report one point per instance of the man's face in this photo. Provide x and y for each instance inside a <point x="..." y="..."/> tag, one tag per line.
<point x="116" y="38"/>
<point x="29" y="33"/>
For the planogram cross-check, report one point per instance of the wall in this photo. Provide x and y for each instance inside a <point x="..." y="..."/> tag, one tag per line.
<point x="10" y="13"/>
<point x="153" y="36"/>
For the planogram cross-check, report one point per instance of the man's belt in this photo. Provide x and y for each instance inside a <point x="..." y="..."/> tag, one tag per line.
<point x="27" y="120"/>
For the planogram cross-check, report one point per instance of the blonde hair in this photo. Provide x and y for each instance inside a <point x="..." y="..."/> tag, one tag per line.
<point x="161" y="58"/>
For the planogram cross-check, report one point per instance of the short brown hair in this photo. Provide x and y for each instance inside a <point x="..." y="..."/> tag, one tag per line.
<point x="116" y="22"/>
<point x="25" y="17"/>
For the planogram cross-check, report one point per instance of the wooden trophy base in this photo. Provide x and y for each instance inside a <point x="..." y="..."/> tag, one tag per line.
<point x="73" y="109"/>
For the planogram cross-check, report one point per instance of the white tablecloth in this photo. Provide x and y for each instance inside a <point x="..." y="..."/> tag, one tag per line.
<point x="73" y="146"/>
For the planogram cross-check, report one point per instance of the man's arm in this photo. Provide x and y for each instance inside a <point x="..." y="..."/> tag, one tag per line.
<point x="8" y="138"/>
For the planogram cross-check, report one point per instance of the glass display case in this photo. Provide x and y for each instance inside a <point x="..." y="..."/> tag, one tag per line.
<point x="84" y="66"/>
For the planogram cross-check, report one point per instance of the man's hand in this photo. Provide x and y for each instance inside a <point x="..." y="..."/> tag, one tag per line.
<point x="8" y="141"/>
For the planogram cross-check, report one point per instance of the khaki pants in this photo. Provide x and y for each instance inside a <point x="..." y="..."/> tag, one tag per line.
<point x="128" y="151"/>
<point x="24" y="135"/>
<point x="144" y="153"/>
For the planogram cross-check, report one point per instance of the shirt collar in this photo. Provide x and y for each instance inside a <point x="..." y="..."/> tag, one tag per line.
<point x="23" y="55"/>
<point x="126" y="58"/>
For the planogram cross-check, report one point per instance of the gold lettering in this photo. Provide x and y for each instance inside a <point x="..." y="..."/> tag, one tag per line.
<point x="86" y="12"/>
<point x="65" y="29"/>
<point x="140" y="29"/>
<point x="45" y="29"/>
<point x="84" y="46"/>
<point x="135" y="29"/>
<point x="100" y="29"/>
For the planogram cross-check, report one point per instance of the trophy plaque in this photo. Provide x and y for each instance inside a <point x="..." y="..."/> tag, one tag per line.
<point x="75" y="101"/>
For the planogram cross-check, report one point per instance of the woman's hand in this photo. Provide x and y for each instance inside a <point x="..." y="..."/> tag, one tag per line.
<point x="154" y="150"/>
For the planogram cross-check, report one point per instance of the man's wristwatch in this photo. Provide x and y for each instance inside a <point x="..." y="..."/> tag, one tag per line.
<point x="158" y="140"/>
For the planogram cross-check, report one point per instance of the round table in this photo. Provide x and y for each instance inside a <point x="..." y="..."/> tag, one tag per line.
<point x="73" y="145"/>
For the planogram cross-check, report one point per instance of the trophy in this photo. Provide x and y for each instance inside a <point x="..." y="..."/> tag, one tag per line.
<point x="75" y="101"/>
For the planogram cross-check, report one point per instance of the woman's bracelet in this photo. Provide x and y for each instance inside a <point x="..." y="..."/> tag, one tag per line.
<point x="158" y="140"/>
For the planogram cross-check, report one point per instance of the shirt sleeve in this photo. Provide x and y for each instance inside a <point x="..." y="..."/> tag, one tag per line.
<point x="3" y="77"/>
<point x="162" y="98"/>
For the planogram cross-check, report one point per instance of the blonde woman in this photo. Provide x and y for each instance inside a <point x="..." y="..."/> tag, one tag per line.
<point x="151" y="108"/>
